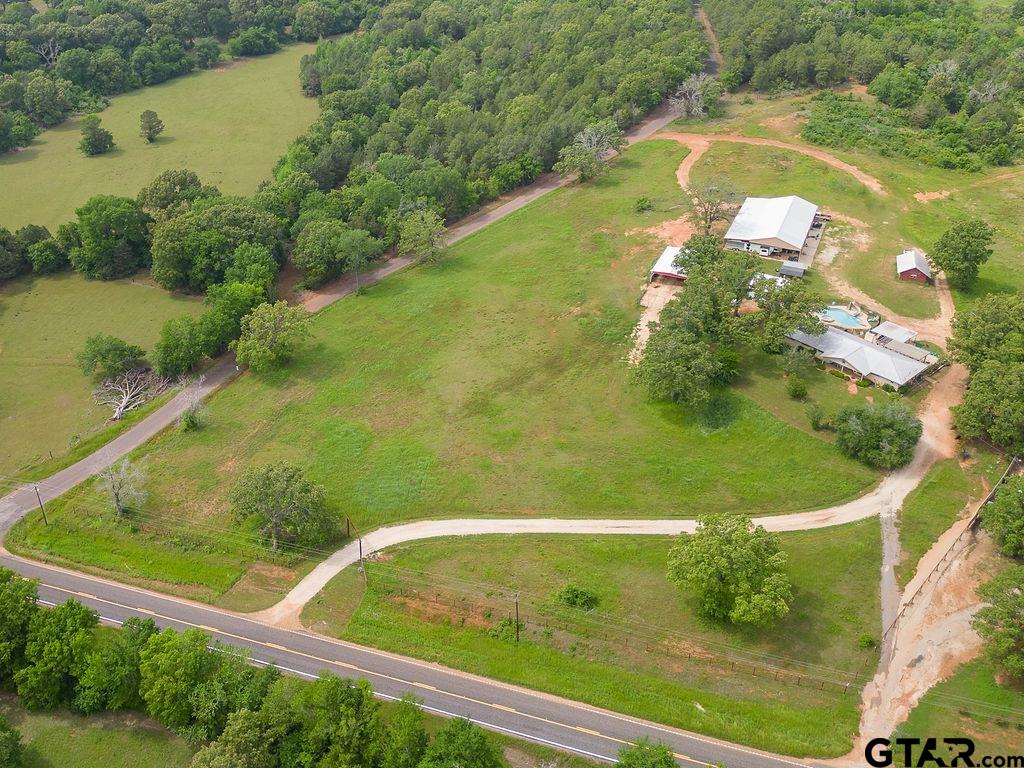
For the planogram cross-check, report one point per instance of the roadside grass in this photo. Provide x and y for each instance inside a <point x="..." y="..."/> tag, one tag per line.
<point x="936" y="503"/>
<point x="491" y="384"/>
<point x="228" y="125"/>
<point x="45" y="400"/>
<point x="444" y="601"/>
<point x="897" y="220"/>
<point x="971" y="703"/>
<point x="108" y="740"/>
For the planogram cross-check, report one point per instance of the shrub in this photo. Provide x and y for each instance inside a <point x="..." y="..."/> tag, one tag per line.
<point x="796" y="388"/>
<point x="864" y="383"/>
<point x="577" y="597"/>
<point x="838" y="374"/>
<point x="47" y="257"/>
<point x="888" y="388"/>
<point x="883" y="436"/>
<point x="816" y="415"/>
<point x="642" y="204"/>
<point x="866" y="641"/>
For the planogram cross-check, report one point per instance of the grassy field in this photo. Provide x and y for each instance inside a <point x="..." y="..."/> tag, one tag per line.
<point x="491" y="384"/>
<point x="111" y="740"/>
<point x="938" y="501"/>
<point x="45" y="402"/>
<point x="444" y="601"/>
<point x="972" y="703"/>
<point x="866" y="253"/>
<point x="228" y="125"/>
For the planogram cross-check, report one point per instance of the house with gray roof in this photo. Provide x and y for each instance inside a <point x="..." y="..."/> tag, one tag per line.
<point x="865" y="359"/>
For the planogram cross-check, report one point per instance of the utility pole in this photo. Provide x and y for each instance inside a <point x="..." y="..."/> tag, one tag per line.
<point x="517" y="617"/>
<point x="362" y="563"/>
<point x="41" y="509"/>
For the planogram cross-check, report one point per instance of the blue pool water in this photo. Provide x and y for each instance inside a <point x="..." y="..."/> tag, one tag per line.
<point x="842" y="317"/>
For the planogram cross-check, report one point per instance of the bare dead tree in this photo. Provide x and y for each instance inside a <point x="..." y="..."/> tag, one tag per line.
<point x="689" y="99"/>
<point x="986" y="92"/>
<point x="710" y="204"/>
<point x="195" y="409"/>
<point x="123" y="483"/>
<point x="49" y="50"/>
<point x="129" y="391"/>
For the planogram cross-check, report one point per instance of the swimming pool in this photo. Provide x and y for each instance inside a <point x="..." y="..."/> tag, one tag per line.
<point x="841" y="317"/>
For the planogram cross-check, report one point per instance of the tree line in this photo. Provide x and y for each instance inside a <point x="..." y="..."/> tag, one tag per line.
<point x="946" y="72"/>
<point x="240" y="715"/>
<point x="71" y="56"/>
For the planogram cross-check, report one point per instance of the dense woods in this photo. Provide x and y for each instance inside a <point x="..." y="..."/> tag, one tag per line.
<point x="948" y="76"/>
<point x="72" y="54"/>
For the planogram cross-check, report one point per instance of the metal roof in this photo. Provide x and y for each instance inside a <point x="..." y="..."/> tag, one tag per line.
<point x="862" y="356"/>
<point x="912" y="258"/>
<point x="665" y="264"/>
<point x="782" y="222"/>
<point x="891" y="330"/>
<point x="792" y="269"/>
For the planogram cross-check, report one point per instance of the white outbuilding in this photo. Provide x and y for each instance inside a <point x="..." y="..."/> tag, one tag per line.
<point x="773" y="226"/>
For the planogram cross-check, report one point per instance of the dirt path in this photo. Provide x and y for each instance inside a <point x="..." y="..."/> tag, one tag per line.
<point x="656" y="296"/>
<point x="716" y="62"/>
<point x="699" y="143"/>
<point x="932" y="638"/>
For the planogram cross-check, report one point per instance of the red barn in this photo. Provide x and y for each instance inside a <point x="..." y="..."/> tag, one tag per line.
<point x="912" y="265"/>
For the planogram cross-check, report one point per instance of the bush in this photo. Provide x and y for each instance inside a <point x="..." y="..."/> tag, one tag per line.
<point x="883" y="436"/>
<point x="47" y="257"/>
<point x="796" y="388"/>
<point x="254" y="41"/>
<point x="816" y="415"/>
<point x="643" y="204"/>
<point x="838" y="374"/>
<point x="577" y="597"/>
<point x="866" y="641"/>
<point x="888" y="388"/>
<point x="11" y="752"/>
<point x="864" y="383"/>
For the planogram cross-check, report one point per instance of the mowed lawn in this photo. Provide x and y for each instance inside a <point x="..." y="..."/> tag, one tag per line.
<point x="443" y="601"/>
<point x="491" y="384"/>
<point x="230" y="126"/>
<point x="111" y="740"/>
<point x="45" y="400"/>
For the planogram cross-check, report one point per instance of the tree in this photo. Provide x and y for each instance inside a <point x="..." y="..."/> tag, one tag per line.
<point x="270" y="334"/>
<point x="129" y="391"/>
<point x="95" y="140"/>
<point x="114" y="238"/>
<point x="206" y="53"/>
<point x="124" y="484"/>
<point x="150" y="126"/>
<point x="999" y="623"/>
<point x="59" y="643"/>
<point x="106" y="357"/>
<point x="283" y="505"/>
<point x="222" y="323"/>
<point x="421" y="235"/>
<point x="695" y="96"/>
<point x="644" y="754"/>
<point x="17" y="608"/>
<point x="234" y="684"/>
<point x="587" y="155"/>
<point x="710" y="204"/>
<point x="254" y="264"/>
<point x="111" y="677"/>
<point x="993" y="405"/>
<point x="992" y="329"/>
<point x="11" y="751"/>
<point x="460" y="743"/>
<point x="179" y="348"/>
<point x="883" y="436"/>
<point x="244" y="743"/>
<point x="737" y="570"/>
<point x="325" y="248"/>
<point x="47" y="257"/>
<point x="254" y="41"/>
<point x="961" y="251"/>
<point x="406" y="739"/>
<point x="171" y="192"/>
<point x="13" y="261"/>
<point x="171" y="666"/>
<point x="1003" y="517"/>
<point x="782" y="309"/>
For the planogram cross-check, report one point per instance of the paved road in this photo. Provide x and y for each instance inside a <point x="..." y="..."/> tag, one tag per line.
<point x="516" y="711"/>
